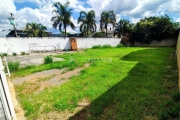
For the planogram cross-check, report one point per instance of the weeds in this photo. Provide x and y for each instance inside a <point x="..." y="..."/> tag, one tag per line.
<point x="106" y="46"/>
<point x="101" y="46"/>
<point x="48" y="59"/>
<point x="14" y="54"/>
<point x="23" y="53"/>
<point x="4" y="54"/>
<point x="96" y="47"/>
<point x="13" y="66"/>
<point x="119" y="46"/>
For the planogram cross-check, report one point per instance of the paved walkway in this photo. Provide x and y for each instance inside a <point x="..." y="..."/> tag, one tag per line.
<point x="35" y="58"/>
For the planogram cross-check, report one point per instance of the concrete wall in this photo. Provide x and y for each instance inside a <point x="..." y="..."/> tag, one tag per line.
<point x="18" y="45"/>
<point x="89" y="42"/>
<point x="155" y="43"/>
<point x="178" y="58"/>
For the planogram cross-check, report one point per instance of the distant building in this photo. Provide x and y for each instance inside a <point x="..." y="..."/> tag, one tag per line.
<point x="110" y="32"/>
<point x="22" y="33"/>
<point x="74" y="35"/>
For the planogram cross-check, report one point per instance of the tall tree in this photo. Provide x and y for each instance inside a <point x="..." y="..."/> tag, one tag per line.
<point x="155" y="28"/>
<point x="122" y="27"/>
<point x="62" y="17"/>
<point x="35" y="30"/>
<point x="107" y="18"/>
<point x="88" y="22"/>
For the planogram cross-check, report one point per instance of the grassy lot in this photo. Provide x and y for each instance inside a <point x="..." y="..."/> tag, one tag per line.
<point x="121" y="83"/>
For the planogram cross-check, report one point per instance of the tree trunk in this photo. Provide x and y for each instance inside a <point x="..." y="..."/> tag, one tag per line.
<point x="106" y="29"/>
<point x="65" y="32"/>
<point x="106" y="32"/>
<point x="87" y="30"/>
<point x="65" y="29"/>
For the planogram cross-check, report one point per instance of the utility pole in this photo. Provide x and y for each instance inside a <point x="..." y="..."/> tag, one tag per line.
<point x="12" y="22"/>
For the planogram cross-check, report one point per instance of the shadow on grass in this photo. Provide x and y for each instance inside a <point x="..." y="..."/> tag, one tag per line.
<point x="144" y="94"/>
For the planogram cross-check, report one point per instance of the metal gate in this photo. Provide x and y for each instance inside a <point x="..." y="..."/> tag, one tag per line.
<point x="2" y="113"/>
<point x="7" y="109"/>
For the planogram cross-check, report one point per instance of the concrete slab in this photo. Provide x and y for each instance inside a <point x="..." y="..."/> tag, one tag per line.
<point x="35" y="58"/>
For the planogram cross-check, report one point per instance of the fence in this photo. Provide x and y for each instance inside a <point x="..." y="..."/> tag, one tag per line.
<point x="7" y="111"/>
<point x="178" y="58"/>
<point x="18" y="45"/>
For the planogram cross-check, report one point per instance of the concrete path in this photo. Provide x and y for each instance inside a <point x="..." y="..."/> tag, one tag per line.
<point x="35" y="58"/>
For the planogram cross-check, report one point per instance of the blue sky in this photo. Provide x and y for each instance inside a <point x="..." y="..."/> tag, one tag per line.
<point x="27" y="11"/>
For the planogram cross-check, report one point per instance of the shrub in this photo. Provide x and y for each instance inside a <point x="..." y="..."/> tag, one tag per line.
<point x="119" y="45"/>
<point x="99" y="35"/>
<point x="96" y="46"/>
<point x="48" y="59"/>
<point x="103" y="46"/>
<point x="106" y="46"/>
<point x="13" y="66"/>
<point x="23" y="53"/>
<point x="14" y="54"/>
<point x="4" y="54"/>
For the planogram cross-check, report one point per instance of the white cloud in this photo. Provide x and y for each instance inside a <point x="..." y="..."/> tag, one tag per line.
<point x="134" y="9"/>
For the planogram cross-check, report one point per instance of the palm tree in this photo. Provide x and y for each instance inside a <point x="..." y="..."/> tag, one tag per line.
<point x="35" y="30"/>
<point x="88" y="22"/>
<point x="62" y="17"/>
<point x="42" y="29"/>
<point x="122" y="27"/>
<point x="106" y="18"/>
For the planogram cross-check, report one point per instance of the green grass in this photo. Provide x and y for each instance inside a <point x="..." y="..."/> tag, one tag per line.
<point x="139" y="83"/>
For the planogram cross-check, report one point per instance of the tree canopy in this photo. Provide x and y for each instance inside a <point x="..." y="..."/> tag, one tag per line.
<point x="154" y="28"/>
<point x="107" y="18"/>
<point x="88" y="22"/>
<point x="122" y="27"/>
<point x="62" y="17"/>
<point x="35" y="30"/>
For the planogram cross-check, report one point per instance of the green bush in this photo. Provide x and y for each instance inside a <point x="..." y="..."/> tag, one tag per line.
<point x="48" y="59"/>
<point x="4" y="54"/>
<point x="23" y="53"/>
<point x="14" y="54"/>
<point x="96" y="47"/>
<point x="119" y="45"/>
<point x="99" y="35"/>
<point x="13" y="66"/>
<point x="106" y="46"/>
<point x="103" y="46"/>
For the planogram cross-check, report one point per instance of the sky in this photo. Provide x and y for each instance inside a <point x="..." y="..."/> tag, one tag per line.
<point x="40" y="11"/>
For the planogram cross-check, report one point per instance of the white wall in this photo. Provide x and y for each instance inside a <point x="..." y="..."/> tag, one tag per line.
<point x="18" y="45"/>
<point x="90" y="42"/>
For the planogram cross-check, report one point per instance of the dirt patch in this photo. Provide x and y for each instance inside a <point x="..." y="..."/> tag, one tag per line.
<point x="36" y="76"/>
<point x="150" y="118"/>
<point x="65" y="115"/>
<point x="47" y="78"/>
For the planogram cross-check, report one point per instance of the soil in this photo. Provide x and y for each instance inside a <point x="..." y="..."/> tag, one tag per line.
<point x="18" y="109"/>
<point x="45" y="79"/>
